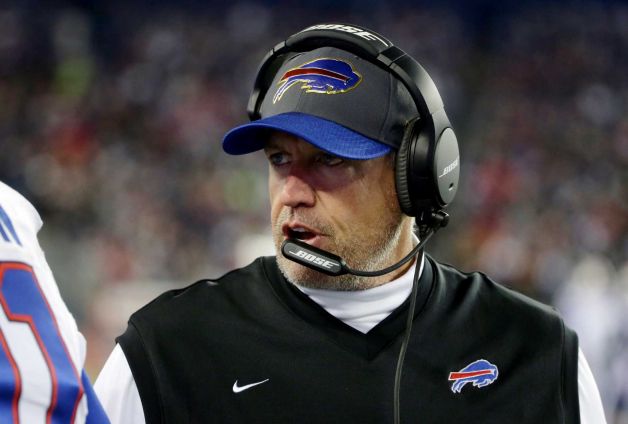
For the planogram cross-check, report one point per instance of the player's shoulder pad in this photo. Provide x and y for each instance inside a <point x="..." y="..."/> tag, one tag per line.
<point x="19" y="210"/>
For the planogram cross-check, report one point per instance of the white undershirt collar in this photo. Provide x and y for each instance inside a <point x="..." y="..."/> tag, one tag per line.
<point x="364" y="309"/>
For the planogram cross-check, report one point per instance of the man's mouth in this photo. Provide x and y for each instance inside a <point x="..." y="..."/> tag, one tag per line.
<point x="300" y="232"/>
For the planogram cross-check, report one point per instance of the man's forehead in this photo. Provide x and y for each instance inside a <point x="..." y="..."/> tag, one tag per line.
<point x="283" y="140"/>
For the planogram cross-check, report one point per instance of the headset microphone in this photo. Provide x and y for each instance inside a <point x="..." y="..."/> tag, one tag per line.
<point x="330" y="264"/>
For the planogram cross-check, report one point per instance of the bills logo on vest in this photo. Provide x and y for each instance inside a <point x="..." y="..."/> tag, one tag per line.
<point x="326" y="76"/>
<point x="481" y="373"/>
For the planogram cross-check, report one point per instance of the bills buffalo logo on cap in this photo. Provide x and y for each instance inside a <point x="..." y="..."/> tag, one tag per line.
<point x="481" y="373"/>
<point x="327" y="76"/>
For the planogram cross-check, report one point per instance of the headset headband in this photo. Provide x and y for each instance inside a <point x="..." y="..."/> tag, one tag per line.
<point x="363" y="43"/>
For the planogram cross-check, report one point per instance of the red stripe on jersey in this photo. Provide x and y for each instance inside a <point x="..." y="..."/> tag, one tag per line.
<point x="466" y="374"/>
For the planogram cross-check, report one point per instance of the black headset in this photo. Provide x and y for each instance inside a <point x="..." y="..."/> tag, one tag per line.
<point x="427" y="163"/>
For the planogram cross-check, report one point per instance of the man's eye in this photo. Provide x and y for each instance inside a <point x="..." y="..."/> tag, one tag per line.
<point x="277" y="159"/>
<point x="329" y="159"/>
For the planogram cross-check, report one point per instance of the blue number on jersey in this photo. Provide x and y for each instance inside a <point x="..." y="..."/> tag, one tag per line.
<point x="10" y="389"/>
<point x="22" y="301"/>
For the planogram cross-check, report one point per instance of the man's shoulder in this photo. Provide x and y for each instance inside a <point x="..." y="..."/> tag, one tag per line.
<point x="207" y="293"/>
<point x="478" y="291"/>
<point x="474" y="309"/>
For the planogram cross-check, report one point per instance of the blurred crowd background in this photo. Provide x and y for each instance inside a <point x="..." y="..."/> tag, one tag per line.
<point x="112" y="113"/>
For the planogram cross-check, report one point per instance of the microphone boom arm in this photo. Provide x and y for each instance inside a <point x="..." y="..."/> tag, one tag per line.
<point x="330" y="264"/>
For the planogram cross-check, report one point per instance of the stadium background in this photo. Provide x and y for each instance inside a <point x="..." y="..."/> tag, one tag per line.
<point x="111" y="116"/>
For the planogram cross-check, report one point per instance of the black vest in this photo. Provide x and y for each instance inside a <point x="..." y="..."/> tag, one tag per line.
<point x="478" y="353"/>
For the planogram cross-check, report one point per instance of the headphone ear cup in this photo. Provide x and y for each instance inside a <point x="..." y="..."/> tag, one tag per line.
<point x="402" y="171"/>
<point x="446" y="167"/>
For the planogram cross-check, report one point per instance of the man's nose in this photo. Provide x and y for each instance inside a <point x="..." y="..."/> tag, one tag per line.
<point x="297" y="192"/>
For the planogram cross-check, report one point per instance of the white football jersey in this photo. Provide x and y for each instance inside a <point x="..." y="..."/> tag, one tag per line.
<point x="41" y="350"/>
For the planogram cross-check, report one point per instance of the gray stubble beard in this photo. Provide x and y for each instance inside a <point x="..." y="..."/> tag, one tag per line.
<point x="369" y="252"/>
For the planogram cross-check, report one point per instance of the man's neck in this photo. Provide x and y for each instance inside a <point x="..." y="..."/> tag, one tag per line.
<point x="406" y="243"/>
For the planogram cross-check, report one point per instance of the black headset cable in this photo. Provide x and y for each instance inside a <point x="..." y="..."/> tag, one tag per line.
<point x="408" y="332"/>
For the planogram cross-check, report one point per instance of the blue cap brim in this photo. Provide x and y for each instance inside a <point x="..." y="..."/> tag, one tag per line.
<point x="324" y="134"/>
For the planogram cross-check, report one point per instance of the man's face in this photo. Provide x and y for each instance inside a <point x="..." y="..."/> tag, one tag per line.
<point x="347" y="207"/>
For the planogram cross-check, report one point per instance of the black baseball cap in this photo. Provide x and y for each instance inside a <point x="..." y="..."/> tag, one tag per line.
<point x="336" y="101"/>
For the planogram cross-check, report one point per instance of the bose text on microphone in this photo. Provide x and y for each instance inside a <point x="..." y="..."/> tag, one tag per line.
<point x="313" y="257"/>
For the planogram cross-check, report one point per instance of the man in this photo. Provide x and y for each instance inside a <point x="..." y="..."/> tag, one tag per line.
<point x="41" y="350"/>
<point x="342" y="326"/>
